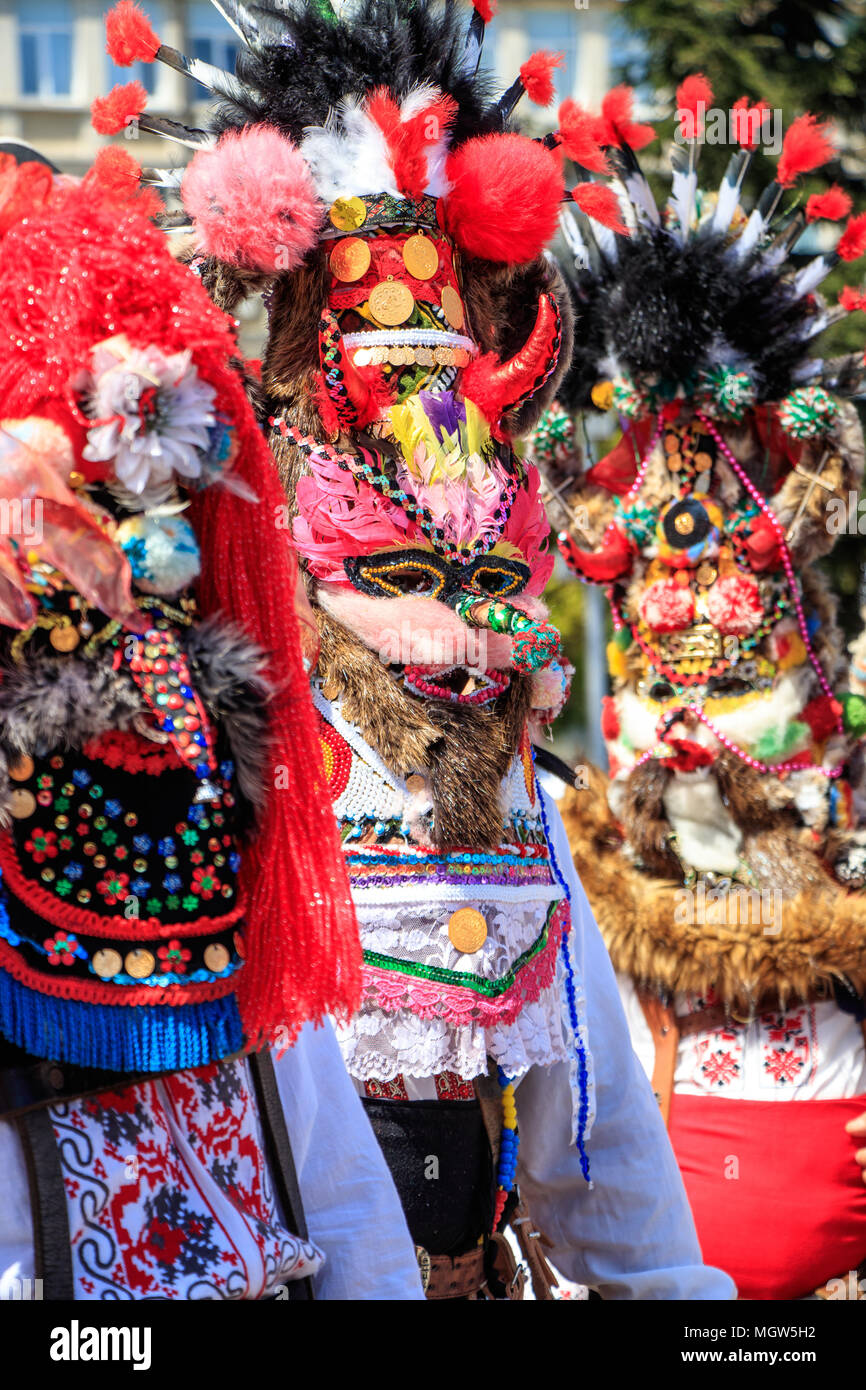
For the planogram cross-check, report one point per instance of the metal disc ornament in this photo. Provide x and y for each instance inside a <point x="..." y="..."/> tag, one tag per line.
<point x="391" y="302"/>
<point x="686" y="523"/>
<point x="452" y="307"/>
<point x="350" y="259"/>
<point x="421" y="257"/>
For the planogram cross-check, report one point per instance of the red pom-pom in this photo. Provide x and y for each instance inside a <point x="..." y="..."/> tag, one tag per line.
<point x="536" y="74"/>
<point x="600" y="203"/>
<point x="114" y="172"/>
<point x="129" y="35"/>
<point x="806" y="146"/>
<point x="822" y="715"/>
<point x="577" y="138"/>
<point x="667" y="606"/>
<point x="124" y="103"/>
<point x="486" y="8"/>
<point x="852" y="242"/>
<point x="734" y="605"/>
<point x="694" y="96"/>
<point x="616" y="126"/>
<point x="852" y="299"/>
<point x="253" y="200"/>
<point x="505" y="197"/>
<point x="747" y="122"/>
<point x="609" y="717"/>
<point x="832" y="205"/>
<point x="687" y="755"/>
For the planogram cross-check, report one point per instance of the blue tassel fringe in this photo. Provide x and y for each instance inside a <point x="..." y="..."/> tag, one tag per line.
<point x="117" y="1037"/>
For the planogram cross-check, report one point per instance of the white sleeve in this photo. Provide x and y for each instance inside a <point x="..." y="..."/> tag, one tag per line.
<point x="631" y="1235"/>
<point x="352" y="1209"/>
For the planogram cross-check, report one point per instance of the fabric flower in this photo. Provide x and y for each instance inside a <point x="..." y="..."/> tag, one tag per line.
<point x="113" y="887"/>
<point x="42" y="845"/>
<point x="174" y="956"/>
<point x="155" y="415"/>
<point x="61" y="947"/>
<point x="205" y="882"/>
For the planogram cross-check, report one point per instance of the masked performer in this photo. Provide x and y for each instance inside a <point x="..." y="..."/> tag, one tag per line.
<point x="171" y="890"/>
<point x="359" y="171"/>
<point x="725" y="863"/>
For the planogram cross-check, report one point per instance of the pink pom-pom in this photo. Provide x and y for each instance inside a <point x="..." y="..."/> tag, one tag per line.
<point x="601" y="204"/>
<point x="806" y="146"/>
<point x="667" y="606"/>
<point x="852" y="242"/>
<point x="734" y="605"/>
<point x="505" y="196"/>
<point x="577" y="138"/>
<point x="129" y="35"/>
<point x="112" y="113"/>
<point x="253" y="200"/>
<point x="536" y="74"/>
<point x="832" y="205"/>
<point x="694" y="96"/>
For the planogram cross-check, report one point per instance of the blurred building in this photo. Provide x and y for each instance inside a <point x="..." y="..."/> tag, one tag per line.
<point x="53" y="63"/>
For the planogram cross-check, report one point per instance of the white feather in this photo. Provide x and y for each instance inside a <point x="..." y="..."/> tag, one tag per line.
<point x="682" y="199"/>
<point x="750" y="235"/>
<point x="350" y="160"/>
<point x="808" y="279"/>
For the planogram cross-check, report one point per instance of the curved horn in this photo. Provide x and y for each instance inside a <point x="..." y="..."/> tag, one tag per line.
<point x="497" y="386"/>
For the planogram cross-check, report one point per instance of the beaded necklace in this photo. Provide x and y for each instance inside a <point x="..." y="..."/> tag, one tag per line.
<point x="368" y="465"/>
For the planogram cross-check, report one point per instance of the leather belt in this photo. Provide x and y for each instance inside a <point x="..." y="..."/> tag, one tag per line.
<point x="447" y="1276"/>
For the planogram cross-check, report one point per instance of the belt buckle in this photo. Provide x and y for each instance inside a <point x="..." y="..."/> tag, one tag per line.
<point x="424" y="1266"/>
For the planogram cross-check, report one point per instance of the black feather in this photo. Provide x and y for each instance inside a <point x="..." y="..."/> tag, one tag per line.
<point x="397" y="44"/>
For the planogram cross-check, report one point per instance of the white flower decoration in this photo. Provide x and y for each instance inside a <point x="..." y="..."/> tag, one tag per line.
<point x="158" y="412"/>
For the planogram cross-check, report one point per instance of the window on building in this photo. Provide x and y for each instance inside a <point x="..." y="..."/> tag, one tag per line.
<point x="145" y="73"/>
<point x="45" y="37"/>
<point x="556" y="31"/>
<point x="210" y="39"/>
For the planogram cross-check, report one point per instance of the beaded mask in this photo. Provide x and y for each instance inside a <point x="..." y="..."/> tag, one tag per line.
<point x="135" y="904"/>
<point x="705" y="521"/>
<point x="396" y="224"/>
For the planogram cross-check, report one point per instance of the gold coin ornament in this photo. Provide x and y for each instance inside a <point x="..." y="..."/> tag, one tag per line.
<point x="350" y="259"/>
<point x="684" y="523"/>
<point x="421" y="257"/>
<point x="216" y="958"/>
<point x="107" y="963"/>
<point x="452" y="307"/>
<point x="391" y="302"/>
<point x="706" y="574"/>
<point x="348" y="214"/>
<point x="22" y="769"/>
<point x="139" y="964"/>
<point x="22" y="803"/>
<point x="64" y="639"/>
<point x="467" y="930"/>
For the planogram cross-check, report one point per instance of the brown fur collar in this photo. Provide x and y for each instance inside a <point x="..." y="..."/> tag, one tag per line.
<point x="466" y="750"/>
<point x="822" y="934"/>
